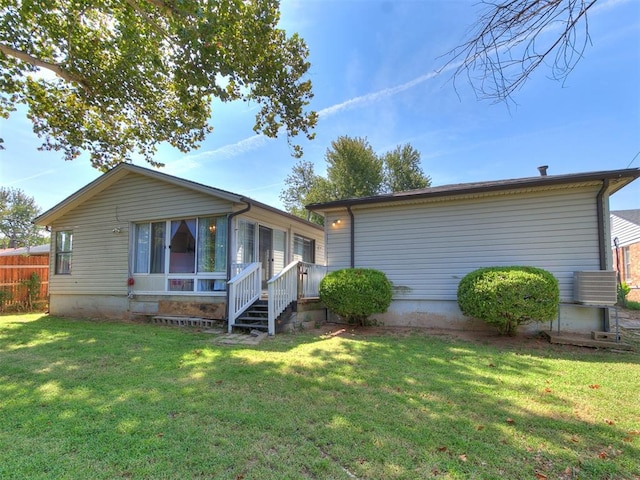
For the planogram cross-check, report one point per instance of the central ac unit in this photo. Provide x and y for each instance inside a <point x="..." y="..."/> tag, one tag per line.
<point x="596" y="287"/>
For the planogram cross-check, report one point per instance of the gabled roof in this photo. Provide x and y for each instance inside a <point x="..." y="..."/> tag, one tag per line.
<point x="632" y="216"/>
<point x="617" y="178"/>
<point x="121" y="170"/>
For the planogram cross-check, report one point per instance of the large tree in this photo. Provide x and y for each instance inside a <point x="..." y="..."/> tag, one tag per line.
<point x="17" y="210"/>
<point x="116" y="78"/>
<point x="353" y="170"/>
<point x="402" y="170"/>
<point x="512" y="38"/>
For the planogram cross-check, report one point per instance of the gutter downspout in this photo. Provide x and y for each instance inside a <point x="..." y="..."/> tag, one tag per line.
<point x="353" y="236"/>
<point x="602" y="243"/>
<point x="229" y="254"/>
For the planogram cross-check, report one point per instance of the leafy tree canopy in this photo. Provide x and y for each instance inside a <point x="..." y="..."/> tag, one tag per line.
<point x="353" y="170"/>
<point x="17" y="210"/>
<point x="117" y="77"/>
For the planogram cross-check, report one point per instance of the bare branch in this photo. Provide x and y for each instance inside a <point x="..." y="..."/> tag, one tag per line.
<point x="514" y="37"/>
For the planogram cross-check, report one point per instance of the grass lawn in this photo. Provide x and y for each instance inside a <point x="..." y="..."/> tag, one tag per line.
<point x="105" y="400"/>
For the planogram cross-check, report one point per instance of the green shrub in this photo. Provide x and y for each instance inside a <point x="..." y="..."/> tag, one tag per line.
<point x="623" y="291"/>
<point x="5" y="298"/>
<point x="509" y="296"/>
<point x="631" y="305"/>
<point x="356" y="293"/>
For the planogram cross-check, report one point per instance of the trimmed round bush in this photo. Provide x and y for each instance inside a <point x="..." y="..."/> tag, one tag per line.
<point x="356" y="293"/>
<point x="507" y="297"/>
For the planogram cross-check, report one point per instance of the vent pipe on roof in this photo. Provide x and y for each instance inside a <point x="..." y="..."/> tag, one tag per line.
<point x="543" y="170"/>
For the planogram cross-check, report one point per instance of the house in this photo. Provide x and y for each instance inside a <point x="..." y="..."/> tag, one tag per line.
<point x="625" y="239"/>
<point x="139" y="242"/>
<point x="427" y="240"/>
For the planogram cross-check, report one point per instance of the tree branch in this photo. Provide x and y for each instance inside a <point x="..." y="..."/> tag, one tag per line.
<point x="52" y="67"/>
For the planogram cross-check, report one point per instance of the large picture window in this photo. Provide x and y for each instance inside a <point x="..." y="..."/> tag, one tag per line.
<point x="64" y="247"/>
<point x="191" y="253"/>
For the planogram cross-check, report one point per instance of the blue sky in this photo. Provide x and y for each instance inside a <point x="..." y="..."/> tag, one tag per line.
<point x="373" y="70"/>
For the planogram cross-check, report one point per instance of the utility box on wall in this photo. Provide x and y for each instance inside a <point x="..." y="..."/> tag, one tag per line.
<point x="596" y="287"/>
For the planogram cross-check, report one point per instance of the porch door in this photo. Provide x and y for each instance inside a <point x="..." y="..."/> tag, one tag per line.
<point x="265" y="254"/>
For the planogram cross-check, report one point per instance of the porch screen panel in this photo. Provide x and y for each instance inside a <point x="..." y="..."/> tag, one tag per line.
<point x="245" y="253"/>
<point x="279" y="250"/>
<point x="304" y="249"/>
<point x="182" y="258"/>
<point x="157" y="247"/>
<point x="142" y="240"/>
<point x="212" y="240"/>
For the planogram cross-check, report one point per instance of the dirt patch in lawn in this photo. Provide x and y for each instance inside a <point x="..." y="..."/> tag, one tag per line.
<point x="526" y="340"/>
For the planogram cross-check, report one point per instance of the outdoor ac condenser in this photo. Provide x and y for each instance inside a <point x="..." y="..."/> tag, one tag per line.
<point x="596" y="287"/>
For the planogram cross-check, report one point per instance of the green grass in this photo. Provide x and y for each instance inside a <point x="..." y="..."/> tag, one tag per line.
<point x="105" y="400"/>
<point x="631" y="305"/>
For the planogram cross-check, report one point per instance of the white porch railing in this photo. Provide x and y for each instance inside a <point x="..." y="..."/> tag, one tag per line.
<point x="311" y="275"/>
<point x="281" y="291"/>
<point x="244" y="289"/>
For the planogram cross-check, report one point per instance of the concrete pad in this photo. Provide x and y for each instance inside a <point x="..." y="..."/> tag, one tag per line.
<point x="241" y="339"/>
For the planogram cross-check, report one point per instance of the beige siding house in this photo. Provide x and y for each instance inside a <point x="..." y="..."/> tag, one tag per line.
<point x="136" y="241"/>
<point x="427" y="240"/>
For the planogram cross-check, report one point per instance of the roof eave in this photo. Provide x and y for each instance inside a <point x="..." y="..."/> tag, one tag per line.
<point x="456" y="190"/>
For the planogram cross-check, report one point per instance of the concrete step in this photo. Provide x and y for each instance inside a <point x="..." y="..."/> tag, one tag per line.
<point x="606" y="336"/>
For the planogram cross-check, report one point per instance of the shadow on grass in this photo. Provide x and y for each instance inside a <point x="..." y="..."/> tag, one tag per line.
<point x="88" y="399"/>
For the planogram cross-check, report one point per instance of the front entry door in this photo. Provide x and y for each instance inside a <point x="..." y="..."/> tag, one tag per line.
<point x="265" y="254"/>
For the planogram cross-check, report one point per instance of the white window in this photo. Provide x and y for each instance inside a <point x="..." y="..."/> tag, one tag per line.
<point x="626" y="258"/>
<point x="64" y="247"/>
<point x="190" y="253"/>
<point x="304" y="249"/>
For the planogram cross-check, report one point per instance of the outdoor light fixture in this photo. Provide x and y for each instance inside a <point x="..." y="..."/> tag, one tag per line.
<point x="212" y="228"/>
<point x="116" y="230"/>
<point x="336" y="222"/>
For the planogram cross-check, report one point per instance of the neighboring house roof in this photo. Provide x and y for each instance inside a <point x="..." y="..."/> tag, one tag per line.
<point x="616" y="178"/>
<point x="123" y="169"/>
<point x="632" y="216"/>
<point x="625" y="227"/>
<point x="35" y="250"/>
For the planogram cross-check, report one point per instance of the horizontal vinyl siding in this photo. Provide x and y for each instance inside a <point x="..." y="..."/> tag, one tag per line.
<point x="429" y="248"/>
<point x="338" y="248"/>
<point x="100" y="257"/>
<point x="626" y="231"/>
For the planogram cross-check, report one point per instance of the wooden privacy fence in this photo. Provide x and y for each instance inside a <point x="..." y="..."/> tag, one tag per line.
<point x="14" y="271"/>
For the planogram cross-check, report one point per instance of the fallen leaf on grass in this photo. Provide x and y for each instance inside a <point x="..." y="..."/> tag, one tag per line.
<point x="595" y="386"/>
<point x="574" y="439"/>
<point x="480" y="427"/>
<point x="608" y="422"/>
<point x="547" y="390"/>
<point x="541" y="476"/>
<point x="603" y="454"/>
<point x="160" y="435"/>
<point x="510" y="421"/>
<point x="442" y="449"/>
<point x="462" y="457"/>
<point x="634" y="432"/>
